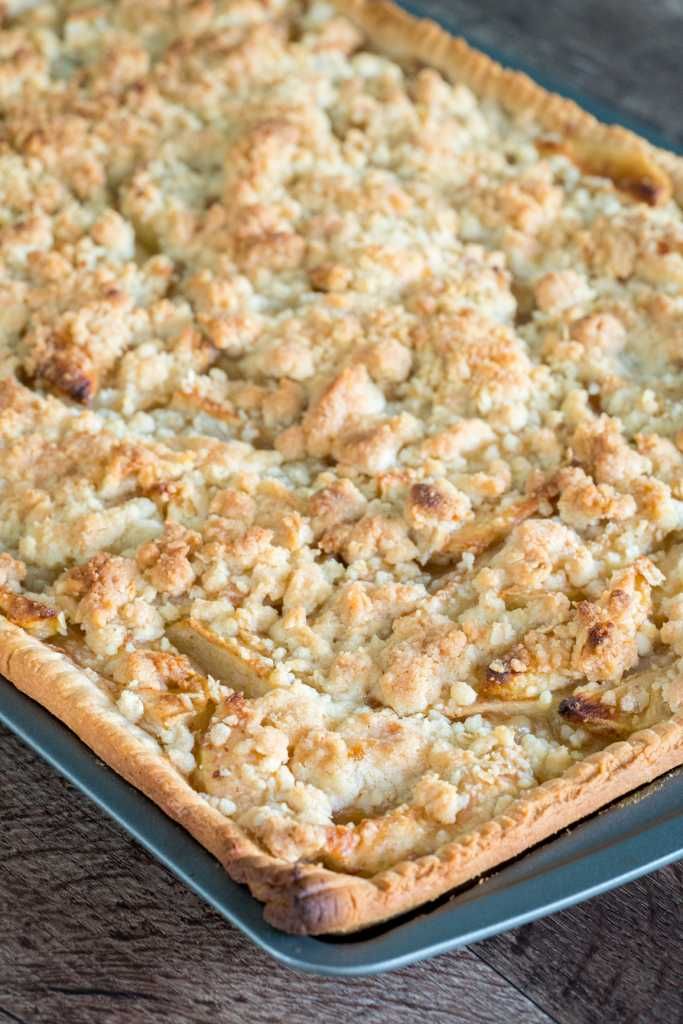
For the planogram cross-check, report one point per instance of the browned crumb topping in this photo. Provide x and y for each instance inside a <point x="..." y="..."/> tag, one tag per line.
<point x="341" y="417"/>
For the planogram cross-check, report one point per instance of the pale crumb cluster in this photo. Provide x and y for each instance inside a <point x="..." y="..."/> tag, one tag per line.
<point x="341" y="418"/>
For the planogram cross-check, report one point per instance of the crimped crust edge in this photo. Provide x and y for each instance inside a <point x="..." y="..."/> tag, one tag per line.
<point x="408" y="38"/>
<point x="305" y="898"/>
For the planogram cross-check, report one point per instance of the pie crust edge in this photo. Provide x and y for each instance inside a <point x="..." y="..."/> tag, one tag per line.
<point x="305" y="898"/>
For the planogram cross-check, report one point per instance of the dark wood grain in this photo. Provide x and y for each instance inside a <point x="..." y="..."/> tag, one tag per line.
<point x="95" y="931"/>
<point x="619" y="956"/>
<point x="626" y="53"/>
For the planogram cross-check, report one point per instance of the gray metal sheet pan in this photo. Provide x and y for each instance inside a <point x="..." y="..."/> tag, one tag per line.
<point x="638" y="834"/>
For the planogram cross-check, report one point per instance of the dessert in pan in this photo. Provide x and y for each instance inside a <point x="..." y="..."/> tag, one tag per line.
<point x="342" y="437"/>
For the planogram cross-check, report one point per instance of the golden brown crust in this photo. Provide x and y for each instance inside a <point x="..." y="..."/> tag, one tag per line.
<point x="303" y="897"/>
<point x="649" y="173"/>
<point x="585" y="788"/>
<point x="49" y="677"/>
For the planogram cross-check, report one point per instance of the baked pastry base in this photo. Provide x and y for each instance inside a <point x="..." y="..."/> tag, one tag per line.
<point x="304" y="898"/>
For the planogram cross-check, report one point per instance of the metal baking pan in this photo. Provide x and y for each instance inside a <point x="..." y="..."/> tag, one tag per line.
<point x="637" y="834"/>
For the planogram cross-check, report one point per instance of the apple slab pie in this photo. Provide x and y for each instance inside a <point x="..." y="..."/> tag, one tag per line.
<point x="341" y="407"/>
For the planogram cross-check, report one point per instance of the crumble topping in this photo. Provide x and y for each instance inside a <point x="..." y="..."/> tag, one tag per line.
<point x="341" y="418"/>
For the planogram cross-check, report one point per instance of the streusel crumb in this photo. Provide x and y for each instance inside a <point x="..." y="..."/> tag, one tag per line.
<point x="341" y="420"/>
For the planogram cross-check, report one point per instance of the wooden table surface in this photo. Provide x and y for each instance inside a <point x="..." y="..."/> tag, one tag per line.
<point x="93" y="930"/>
